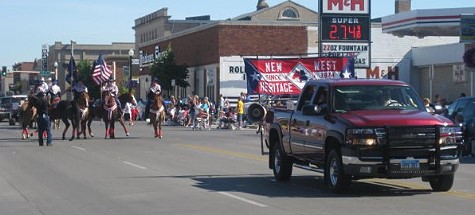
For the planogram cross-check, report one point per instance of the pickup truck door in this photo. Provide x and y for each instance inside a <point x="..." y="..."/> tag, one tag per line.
<point x="298" y="123"/>
<point x="316" y="129"/>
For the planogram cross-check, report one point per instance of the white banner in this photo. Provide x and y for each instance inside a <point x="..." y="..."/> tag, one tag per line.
<point x="360" y="51"/>
<point x="459" y="73"/>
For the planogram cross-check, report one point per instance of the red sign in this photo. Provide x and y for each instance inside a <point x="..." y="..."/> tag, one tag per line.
<point x="288" y="76"/>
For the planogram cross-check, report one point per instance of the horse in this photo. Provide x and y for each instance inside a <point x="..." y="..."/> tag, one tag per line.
<point x="28" y="115"/>
<point x="53" y="102"/>
<point x="110" y="114"/>
<point x="85" y="110"/>
<point x="97" y="110"/>
<point x="127" y="97"/>
<point x="69" y="113"/>
<point x="157" y="115"/>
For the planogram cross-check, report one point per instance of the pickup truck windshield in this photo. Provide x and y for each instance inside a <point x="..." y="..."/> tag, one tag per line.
<point x="348" y="98"/>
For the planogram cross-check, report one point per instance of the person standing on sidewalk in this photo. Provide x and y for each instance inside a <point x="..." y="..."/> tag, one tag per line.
<point x="240" y="112"/>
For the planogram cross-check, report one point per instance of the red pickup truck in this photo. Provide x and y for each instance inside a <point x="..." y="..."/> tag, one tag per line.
<point x="350" y="129"/>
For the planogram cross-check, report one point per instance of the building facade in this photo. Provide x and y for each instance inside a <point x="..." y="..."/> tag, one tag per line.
<point x="437" y="68"/>
<point x="214" y="50"/>
<point x="116" y="55"/>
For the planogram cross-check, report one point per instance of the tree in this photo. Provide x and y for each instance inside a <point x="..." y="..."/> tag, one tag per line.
<point x="165" y="69"/>
<point x="85" y="74"/>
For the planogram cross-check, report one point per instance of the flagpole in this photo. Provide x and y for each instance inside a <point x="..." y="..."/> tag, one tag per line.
<point x="72" y="55"/>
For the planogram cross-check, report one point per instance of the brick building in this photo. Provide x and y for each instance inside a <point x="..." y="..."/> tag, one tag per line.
<point x="207" y="46"/>
<point x="116" y="55"/>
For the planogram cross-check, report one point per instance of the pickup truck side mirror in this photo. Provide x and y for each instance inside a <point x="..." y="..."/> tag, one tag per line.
<point x="310" y="110"/>
<point x="314" y="109"/>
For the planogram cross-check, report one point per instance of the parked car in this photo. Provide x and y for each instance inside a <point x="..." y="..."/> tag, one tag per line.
<point x="9" y="106"/>
<point x="462" y="111"/>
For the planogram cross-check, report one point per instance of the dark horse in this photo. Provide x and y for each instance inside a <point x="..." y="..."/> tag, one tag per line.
<point x="86" y="113"/>
<point x="67" y="111"/>
<point x="157" y="115"/>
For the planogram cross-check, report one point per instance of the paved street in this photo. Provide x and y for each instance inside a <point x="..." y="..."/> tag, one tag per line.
<point x="191" y="172"/>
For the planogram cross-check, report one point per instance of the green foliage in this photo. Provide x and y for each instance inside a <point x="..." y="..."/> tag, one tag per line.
<point x="85" y="73"/>
<point x="165" y="69"/>
<point x="123" y="89"/>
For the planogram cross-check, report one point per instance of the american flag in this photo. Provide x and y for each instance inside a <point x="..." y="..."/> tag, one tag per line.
<point x="101" y="72"/>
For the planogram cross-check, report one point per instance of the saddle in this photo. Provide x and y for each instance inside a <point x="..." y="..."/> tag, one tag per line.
<point x="55" y="102"/>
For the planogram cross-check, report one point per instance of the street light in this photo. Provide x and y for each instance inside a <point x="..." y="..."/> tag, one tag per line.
<point x="131" y="54"/>
<point x="55" y="70"/>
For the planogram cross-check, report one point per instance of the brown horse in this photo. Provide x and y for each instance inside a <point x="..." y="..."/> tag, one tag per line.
<point x="28" y="115"/>
<point x="157" y="115"/>
<point x="83" y="103"/>
<point x="53" y="103"/>
<point x="110" y="114"/>
<point x="96" y="110"/>
<point x="127" y="97"/>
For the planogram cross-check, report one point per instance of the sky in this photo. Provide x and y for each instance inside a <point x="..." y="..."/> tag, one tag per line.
<point x="26" y="25"/>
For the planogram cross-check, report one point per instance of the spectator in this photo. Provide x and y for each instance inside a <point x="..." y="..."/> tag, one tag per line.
<point x="240" y="112"/>
<point x="427" y="105"/>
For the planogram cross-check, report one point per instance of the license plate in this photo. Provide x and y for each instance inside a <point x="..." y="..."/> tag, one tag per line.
<point x="409" y="164"/>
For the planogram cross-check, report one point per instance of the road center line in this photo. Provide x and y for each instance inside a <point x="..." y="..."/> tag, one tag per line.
<point x="242" y="199"/>
<point x="134" y="165"/>
<point x="77" y="147"/>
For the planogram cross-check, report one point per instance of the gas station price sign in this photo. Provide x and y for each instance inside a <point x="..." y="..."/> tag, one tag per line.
<point x="345" y="28"/>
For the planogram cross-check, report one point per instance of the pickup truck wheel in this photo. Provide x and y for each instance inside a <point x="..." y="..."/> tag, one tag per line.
<point x="282" y="165"/>
<point x="335" y="178"/>
<point x="441" y="183"/>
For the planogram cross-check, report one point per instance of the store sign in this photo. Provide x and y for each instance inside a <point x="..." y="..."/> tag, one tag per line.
<point x="345" y="6"/>
<point x="146" y="59"/>
<point x="44" y="58"/>
<point x="459" y="73"/>
<point x="359" y="51"/>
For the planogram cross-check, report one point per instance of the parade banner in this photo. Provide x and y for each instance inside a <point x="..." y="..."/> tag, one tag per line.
<point x="287" y="76"/>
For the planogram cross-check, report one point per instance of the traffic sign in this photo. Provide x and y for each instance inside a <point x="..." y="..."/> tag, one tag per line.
<point x="45" y="73"/>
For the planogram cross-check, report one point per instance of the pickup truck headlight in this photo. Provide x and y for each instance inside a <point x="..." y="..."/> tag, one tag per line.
<point x="450" y="135"/>
<point x="365" y="136"/>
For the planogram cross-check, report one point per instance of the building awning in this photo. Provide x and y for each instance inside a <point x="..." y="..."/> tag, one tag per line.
<point x="426" y="22"/>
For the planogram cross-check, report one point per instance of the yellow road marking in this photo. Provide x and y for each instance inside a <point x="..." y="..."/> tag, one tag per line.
<point x="410" y="185"/>
<point x="385" y="182"/>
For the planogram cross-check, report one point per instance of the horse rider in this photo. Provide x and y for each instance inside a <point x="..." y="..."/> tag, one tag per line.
<point x="155" y="89"/>
<point x="40" y="87"/>
<point x="54" y="92"/>
<point x="78" y="88"/>
<point x="112" y="88"/>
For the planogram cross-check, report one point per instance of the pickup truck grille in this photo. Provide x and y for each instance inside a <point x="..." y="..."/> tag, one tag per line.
<point x="410" y="137"/>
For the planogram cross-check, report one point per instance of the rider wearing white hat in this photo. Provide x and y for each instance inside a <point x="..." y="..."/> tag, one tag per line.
<point x="114" y="91"/>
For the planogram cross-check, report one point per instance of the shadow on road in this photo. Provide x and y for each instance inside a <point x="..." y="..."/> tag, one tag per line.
<point x="298" y="186"/>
